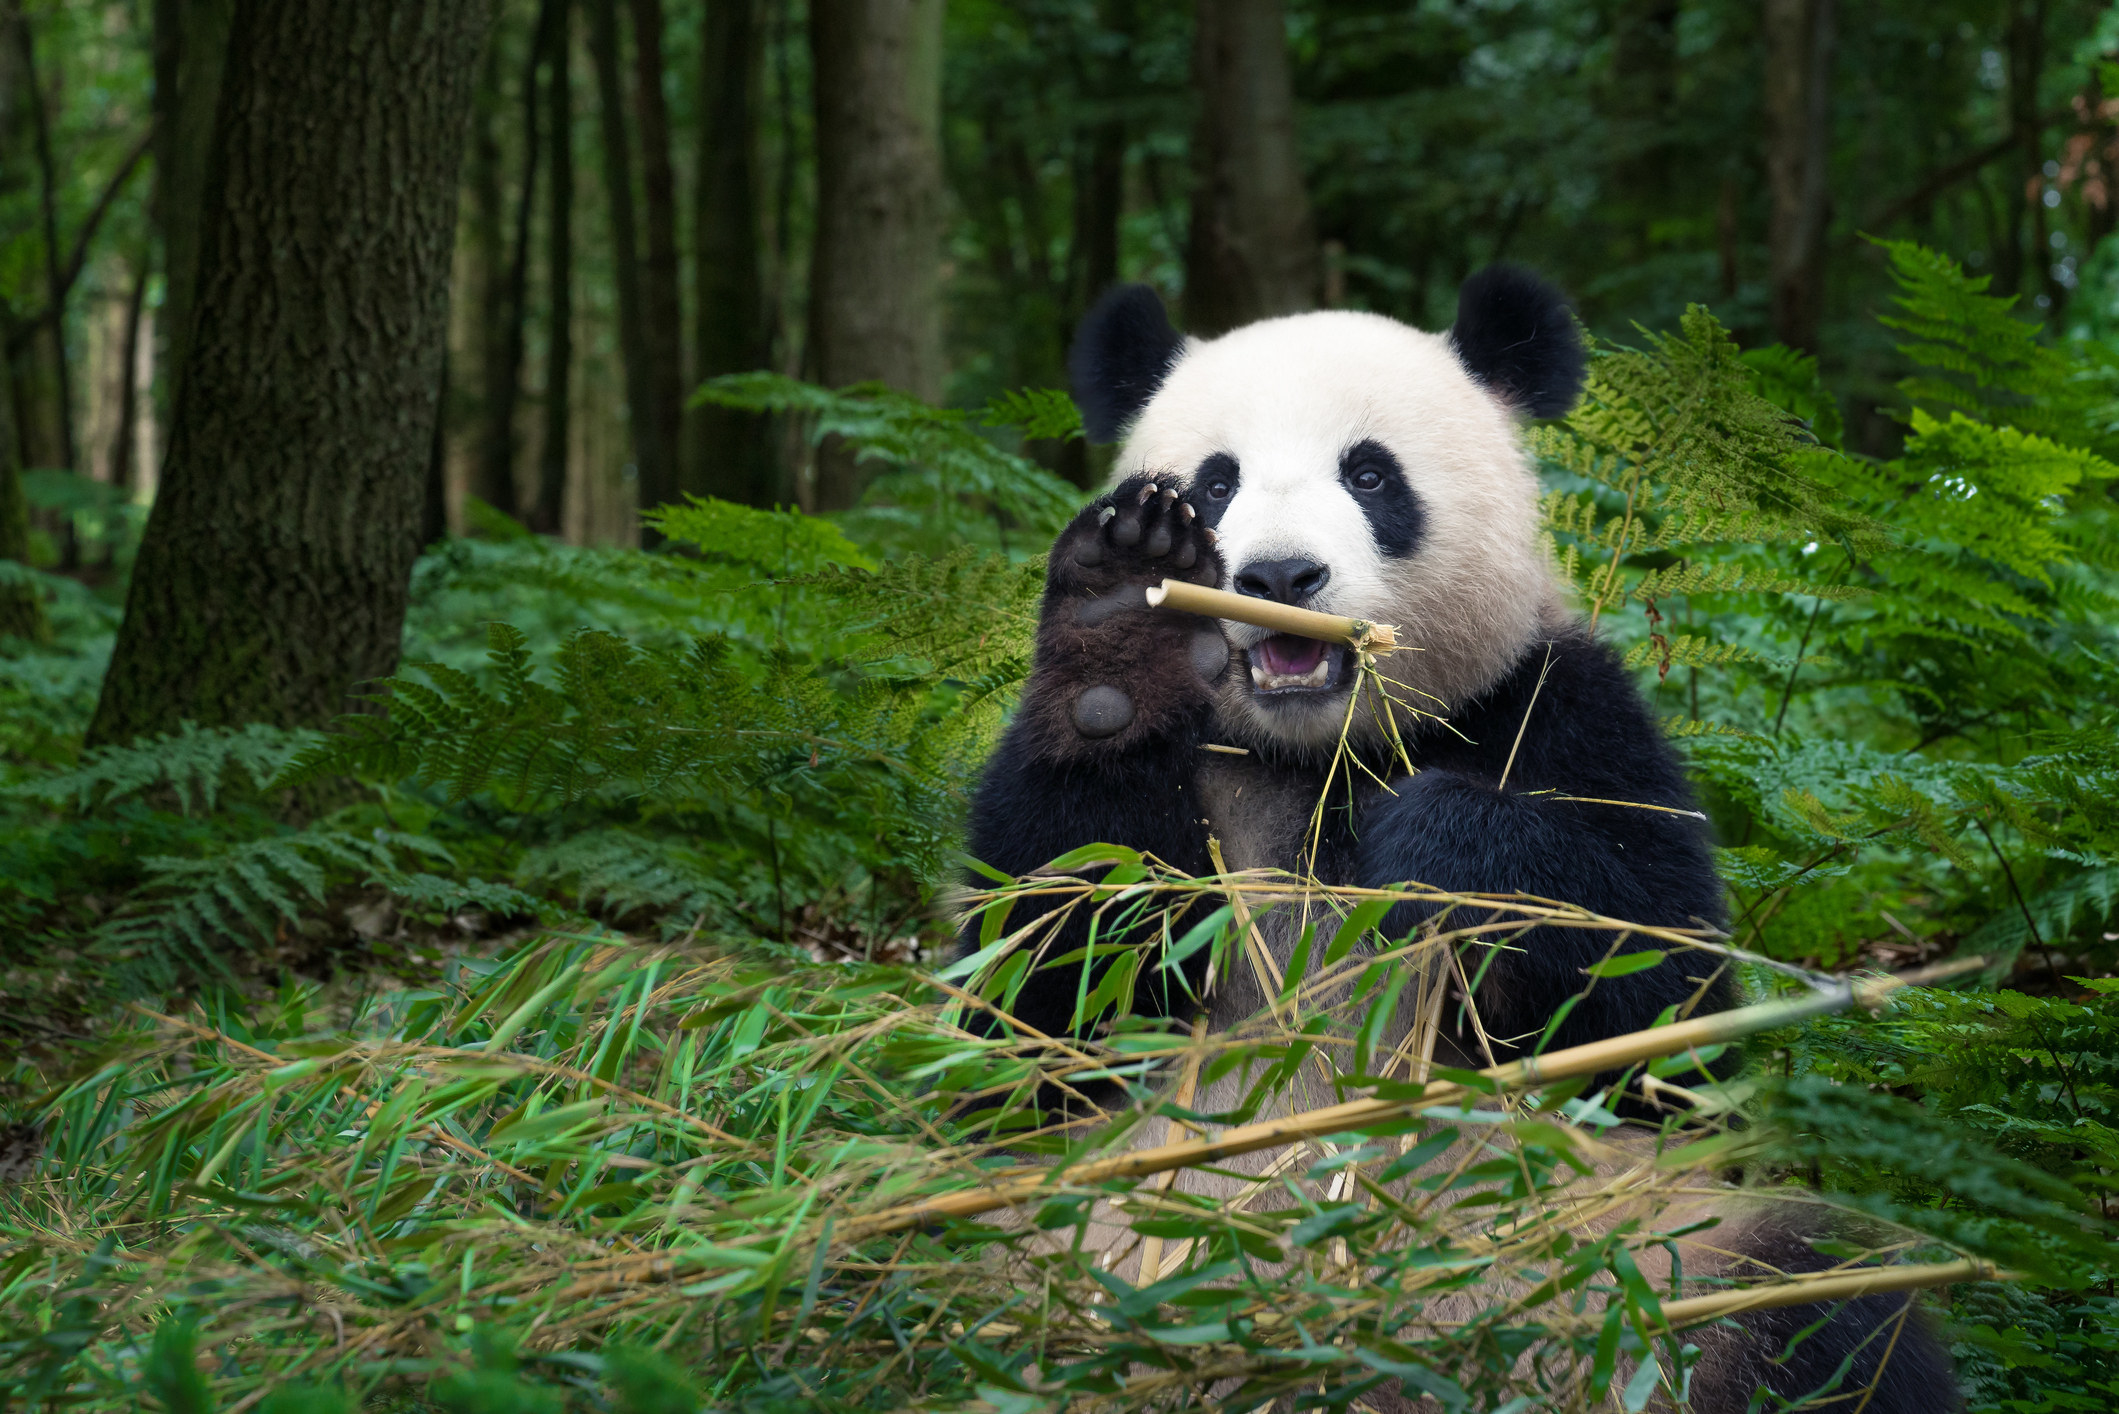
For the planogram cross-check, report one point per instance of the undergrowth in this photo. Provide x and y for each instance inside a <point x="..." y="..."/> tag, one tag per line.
<point x="643" y="857"/>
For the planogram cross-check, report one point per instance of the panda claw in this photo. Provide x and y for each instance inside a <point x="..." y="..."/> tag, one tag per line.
<point x="1145" y="492"/>
<point x="1169" y="497"/>
<point x="1207" y="533"/>
<point x="1187" y="512"/>
<point x="1103" y="517"/>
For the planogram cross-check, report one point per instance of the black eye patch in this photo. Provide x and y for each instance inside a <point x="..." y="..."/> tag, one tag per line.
<point x="1214" y="486"/>
<point x="1373" y="477"/>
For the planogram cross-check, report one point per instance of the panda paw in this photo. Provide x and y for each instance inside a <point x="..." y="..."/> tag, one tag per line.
<point x="1111" y="672"/>
<point x="1140" y="533"/>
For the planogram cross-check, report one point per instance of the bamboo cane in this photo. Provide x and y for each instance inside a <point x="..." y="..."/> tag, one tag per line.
<point x="1616" y="1053"/>
<point x="1358" y="634"/>
<point x="1834" y="1286"/>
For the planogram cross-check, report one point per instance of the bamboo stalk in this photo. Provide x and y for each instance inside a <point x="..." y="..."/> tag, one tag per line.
<point x="1615" y="1053"/>
<point x="1834" y="1286"/>
<point x="1358" y="634"/>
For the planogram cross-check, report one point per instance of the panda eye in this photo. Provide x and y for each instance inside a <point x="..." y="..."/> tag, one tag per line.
<point x="1367" y="479"/>
<point x="1218" y="489"/>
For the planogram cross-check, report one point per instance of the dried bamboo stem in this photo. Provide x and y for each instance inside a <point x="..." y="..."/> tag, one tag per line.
<point x="1358" y="634"/>
<point x="1616" y="1053"/>
<point x="1835" y="1286"/>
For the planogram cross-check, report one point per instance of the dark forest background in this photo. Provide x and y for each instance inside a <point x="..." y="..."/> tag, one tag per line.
<point x="651" y="194"/>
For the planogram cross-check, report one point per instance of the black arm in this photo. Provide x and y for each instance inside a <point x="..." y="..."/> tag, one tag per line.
<point x="1104" y="746"/>
<point x="1455" y="827"/>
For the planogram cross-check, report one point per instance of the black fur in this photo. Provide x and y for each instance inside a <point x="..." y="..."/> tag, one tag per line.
<point x="1452" y="826"/>
<point x="1883" y="1341"/>
<point x="1516" y="335"/>
<point x="1121" y="354"/>
<point x="1221" y="469"/>
<point x="1395" y="517"/>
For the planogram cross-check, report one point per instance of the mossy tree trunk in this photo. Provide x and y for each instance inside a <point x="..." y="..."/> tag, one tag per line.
<point x="272" y="578"/>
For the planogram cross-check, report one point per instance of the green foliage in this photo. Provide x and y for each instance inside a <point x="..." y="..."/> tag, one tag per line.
<point x="946" y="484"/>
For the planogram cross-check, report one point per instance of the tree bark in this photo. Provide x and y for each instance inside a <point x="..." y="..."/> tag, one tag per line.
<point x="559" y="256"/>
<point x="729" y="453"/>
<point x="509" y="313"/>
<point x="21" y="608"/>
<point x="1800" y="39"/>
<point x="1252" y="252"/>
<point x="50" y="341"/>
<point x="875" y="305"/>
<point x="272" y="578"/>
<point x="2019" y="258"/>
<point x="1099" y="207"/>
<point x="661" y="298"/>
<point x="652" y="459"/>
<point x="124" y="442"/>
<point x="190" y="43"/>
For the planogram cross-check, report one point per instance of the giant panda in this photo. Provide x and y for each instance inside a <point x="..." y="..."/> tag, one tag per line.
<point x="1346" y="462"/>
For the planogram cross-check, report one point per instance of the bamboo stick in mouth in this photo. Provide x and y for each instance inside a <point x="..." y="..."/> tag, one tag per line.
<point x="1358" y="634"/>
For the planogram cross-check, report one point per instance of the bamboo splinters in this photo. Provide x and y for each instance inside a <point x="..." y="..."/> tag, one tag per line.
<point x="1358" y="634"/>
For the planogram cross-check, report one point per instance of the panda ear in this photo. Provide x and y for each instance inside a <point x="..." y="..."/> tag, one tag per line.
<point x="1122" y="352"/>
<point x="1516" y="335"/>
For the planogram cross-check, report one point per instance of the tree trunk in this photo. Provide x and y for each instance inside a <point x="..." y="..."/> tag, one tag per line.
<point x="190" y="43"/>
<point x="1643" y="98"/>
<point x="1251" y="252"/>
<point x="2025" y="266"/>
<point x="656" y="480"/>
<point x="21" y="607"/>
<point x="661" y="299"/>
<point x="271" y="581"/>
<point x="1800" y="37"/>
<point x="55" y="442"/>
<point x="559" y="257"/>
<point x="729" y="453"/>
<point x="1099" y="207"/>
<point x="488" y="275"/>
<point x="875" y="303"/>
<point x="509" y="313"/>
<point x="124" y="441"/>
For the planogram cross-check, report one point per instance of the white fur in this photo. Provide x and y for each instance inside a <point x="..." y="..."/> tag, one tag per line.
<point x="1285" y="397"/>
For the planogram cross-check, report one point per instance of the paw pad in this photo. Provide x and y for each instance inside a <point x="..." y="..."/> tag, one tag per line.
<point x="1102" y="711"/>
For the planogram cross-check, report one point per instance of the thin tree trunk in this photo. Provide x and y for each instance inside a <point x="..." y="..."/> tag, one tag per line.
<point x="190" y="43"/>
<point x="875" y="306"/>
<point x="272" y="579"/>
<point x="510" y="313"/>
<point x="1644" y="75"/>
<point x="434" y="498"/>
<point x="488" y="276"/>
<point x="1099" y="207"/>
<point x="55" y="285"/>
<point x="729" y="453"/>
<point x="124" y="472"/>
<point x="559" y="257"/>
<point x="1800" y="39"/>
<point x="1251" y="252"/>
<point x="2020" y="257"/>
<point x="21" y="607"/>
<point x="661" y="298"/>
<point x="655" y="477"/>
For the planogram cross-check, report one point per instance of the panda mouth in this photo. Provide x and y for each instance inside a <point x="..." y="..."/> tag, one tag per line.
<point x="1284" y="663"/>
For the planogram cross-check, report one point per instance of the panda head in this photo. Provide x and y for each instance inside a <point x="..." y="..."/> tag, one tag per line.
<point x="1351" y="464"/>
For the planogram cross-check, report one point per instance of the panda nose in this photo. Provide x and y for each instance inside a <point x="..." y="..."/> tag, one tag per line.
<point x="1287" y="581"/>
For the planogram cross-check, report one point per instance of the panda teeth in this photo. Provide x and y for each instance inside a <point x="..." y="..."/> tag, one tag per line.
<point x="1276" y="682"/>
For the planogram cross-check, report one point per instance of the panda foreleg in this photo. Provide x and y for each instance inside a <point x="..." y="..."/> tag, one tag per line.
<point x="1455" y="832"/>
<point x="1104" y="746"/>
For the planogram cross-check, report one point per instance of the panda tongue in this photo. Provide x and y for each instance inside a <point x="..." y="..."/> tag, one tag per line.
<point x="1285" y="655"/>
